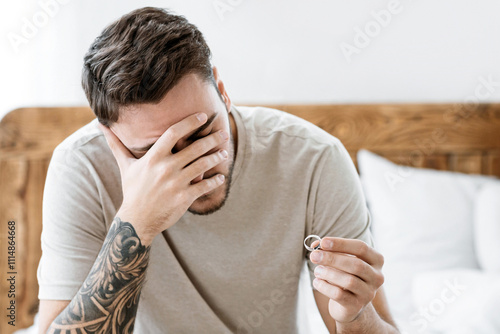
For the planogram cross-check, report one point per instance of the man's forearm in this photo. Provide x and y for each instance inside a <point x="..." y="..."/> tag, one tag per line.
<point x="368" y="322"/>
<point x="108" y="299"/>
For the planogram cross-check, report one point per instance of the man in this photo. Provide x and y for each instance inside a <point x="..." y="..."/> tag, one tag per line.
<point x="140" y="233"/>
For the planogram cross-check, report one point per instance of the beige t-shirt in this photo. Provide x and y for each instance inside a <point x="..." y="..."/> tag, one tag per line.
<point x="234" y="271"/>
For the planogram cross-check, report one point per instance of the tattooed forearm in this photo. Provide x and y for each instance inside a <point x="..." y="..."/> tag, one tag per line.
<point x="108" y="299"/>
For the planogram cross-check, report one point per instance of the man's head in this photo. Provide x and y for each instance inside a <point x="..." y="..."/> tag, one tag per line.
<point x="149" y="70"/>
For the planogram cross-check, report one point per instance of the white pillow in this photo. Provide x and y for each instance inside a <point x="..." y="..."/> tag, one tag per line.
<point x="487" y="226"/>
<point x="422" y="221"/>
<point x="456" y="301"/>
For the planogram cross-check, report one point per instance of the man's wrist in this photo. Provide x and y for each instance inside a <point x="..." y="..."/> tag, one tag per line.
<point x="145" y="236"/>
<point x="368" y="321"/>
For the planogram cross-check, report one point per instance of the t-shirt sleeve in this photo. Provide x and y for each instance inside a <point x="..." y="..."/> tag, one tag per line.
<point x="337" y="200"/>
<point x="73" y="226"/>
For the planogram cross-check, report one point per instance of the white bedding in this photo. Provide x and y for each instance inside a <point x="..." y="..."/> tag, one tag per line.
<point x="425" y="223"/>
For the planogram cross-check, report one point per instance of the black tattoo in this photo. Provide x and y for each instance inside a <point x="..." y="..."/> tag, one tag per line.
<point x="108" y="299"/>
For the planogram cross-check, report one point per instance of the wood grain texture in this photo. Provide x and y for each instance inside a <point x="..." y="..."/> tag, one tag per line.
<point x="491" y="163"/>
<point x="35" y="132"/>
<point x="429" y="128"/>
<point x="439" y="136"/>
<point x="12" y="208"/>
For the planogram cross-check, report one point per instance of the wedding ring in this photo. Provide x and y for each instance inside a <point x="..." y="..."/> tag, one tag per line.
<point x="309" y="248"/>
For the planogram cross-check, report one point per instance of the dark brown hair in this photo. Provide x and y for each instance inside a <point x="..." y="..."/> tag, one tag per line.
<point x="139" y="58"/>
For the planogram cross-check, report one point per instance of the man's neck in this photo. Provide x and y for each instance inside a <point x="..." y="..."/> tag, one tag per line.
<point x="234" y="131"/>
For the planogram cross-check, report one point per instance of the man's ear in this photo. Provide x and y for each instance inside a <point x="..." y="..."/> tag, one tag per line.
<point x="222" y="89"/>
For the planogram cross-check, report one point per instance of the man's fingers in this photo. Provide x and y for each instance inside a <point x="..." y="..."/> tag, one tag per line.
<point x="120" y="152"/>
<point x="342" y="279"/>
<point x="354" y="247"/>
<point x="205" y="186"/>
<point x="344" y="262"/>
<point x="164" y="145"/>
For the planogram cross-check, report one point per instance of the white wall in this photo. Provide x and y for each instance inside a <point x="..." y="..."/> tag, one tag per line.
<point x="282" y="51"/>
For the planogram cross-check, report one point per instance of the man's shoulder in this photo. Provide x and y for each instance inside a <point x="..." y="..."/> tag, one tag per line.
<point x="86" y="142"/>
<point x="85" y="137"/>
<point x="267" y="122"/>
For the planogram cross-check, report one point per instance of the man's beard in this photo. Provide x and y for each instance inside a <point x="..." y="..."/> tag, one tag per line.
<point x="227" y="184"/>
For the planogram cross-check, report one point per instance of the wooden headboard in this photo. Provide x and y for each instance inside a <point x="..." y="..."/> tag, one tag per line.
<point x="440" y="136"/>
